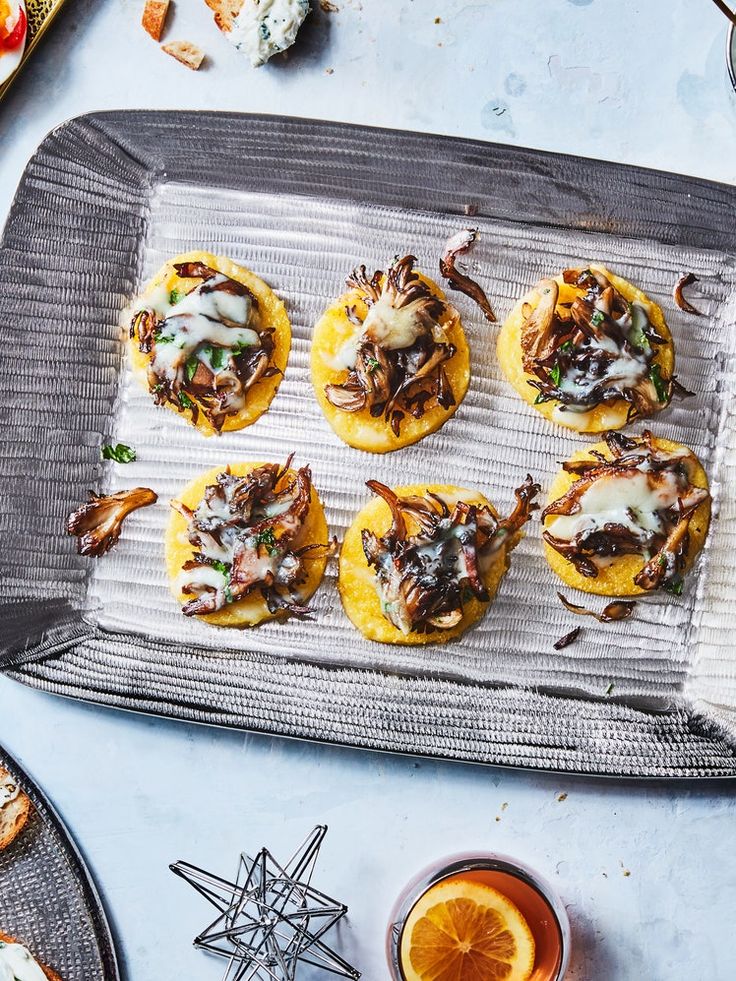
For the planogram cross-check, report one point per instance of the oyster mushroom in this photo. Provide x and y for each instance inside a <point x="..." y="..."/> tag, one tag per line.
<point x="98" y="523"/>
<point x="457" y="245"/>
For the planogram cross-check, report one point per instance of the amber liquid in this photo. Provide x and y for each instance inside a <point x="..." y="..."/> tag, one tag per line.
<point x="536" y="911"/>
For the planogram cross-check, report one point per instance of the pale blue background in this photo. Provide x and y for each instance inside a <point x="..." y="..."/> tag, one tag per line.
<point x="642" y="82"/>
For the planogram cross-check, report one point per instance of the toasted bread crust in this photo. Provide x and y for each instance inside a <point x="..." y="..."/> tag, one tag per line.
<point x="185" y="52"/>
<point x="225" y="12"/>
<point x="14" y="816"/>
<point x="154" y="17"/>
<point x="48" y="971"/>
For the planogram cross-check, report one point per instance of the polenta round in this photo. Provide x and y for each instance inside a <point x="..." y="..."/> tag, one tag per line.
<point x="335" y="333"/>
<point x="259" y="388"/>
<point x="357" y="581"/>
<point x="609" y="415"/>
<point x="252" y="609"/>
<point x="617" y="578"/>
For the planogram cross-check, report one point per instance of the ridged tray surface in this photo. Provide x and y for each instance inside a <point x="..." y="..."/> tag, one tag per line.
<point x="108" y="197"/>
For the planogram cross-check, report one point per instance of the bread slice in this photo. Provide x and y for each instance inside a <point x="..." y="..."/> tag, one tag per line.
<point x="154" y="17"/>
<point x="48" y="971"/>
<point x="185" y="52"/>
<point x="14" y="814"/>
<point x="225" y="12"/>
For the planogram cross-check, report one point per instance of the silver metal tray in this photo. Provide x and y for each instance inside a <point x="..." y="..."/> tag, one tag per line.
<point x="108" y="197"/>
<point x="47" y="897"/>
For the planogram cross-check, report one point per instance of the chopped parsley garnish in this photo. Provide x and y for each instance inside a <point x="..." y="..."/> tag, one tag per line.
<point x="372" y="365"/>
<point x="543" y="397"/>
<point x="639" y="323"/>
<point x="268" y="539"/>
<point x="164" y="338"/>
<point x="556" y="374"/>
<point x="175" y="295"/>
<point x="567" y="346"/>
<point x="120" y="453"/>
<point x="217" y="356"/>
<point x="191" y="366"/>
<point x="674" y="586"/>
<point x="240" y="347"/>
<point x="228" y="595"/>
<point x="185" y="401"/>
<point x="221" y="567"/>
<point x="597" y="318"/>
<point x="660" y="386"/>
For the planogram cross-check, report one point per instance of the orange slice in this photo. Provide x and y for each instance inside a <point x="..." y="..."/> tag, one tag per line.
<point x="462" y="930"/>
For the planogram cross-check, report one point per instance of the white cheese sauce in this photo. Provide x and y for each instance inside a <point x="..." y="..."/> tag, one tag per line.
<point x="201" y="318"/>
<point x="264" y="28"/>
<point x="18" y="964"/>
<point x="632" y="501"/>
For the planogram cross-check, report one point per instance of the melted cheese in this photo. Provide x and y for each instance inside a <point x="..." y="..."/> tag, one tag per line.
<point x="264" y="28"/>
<point x="629" y="501"/>
<point x="18" y="964"/>
<point x="9" y="790"/>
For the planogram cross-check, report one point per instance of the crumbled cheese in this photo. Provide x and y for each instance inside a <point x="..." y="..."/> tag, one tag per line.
<point x="264" y="28"/>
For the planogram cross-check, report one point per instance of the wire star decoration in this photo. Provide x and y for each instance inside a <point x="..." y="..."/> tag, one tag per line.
<point x="271" y="918"/>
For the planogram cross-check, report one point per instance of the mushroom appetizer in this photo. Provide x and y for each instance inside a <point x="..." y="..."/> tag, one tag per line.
<point x="98" y="524"/>
<point x="247" y="543"/>
<point x="589" y="351"/>
<point x="390" y="363"/>
<point x="422" y="563"/>
<point x="210" y="340"/>
<point x="628" y="516"/>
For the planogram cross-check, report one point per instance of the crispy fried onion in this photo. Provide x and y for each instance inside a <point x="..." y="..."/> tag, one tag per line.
<point x="247" y="534"/>
<point x="423" y="579"/>
<point x="98" y="523"/>
<point x="397" y="366"/>
<point x="458" y="244"/>
<point x="594" y="350"/>
<point x="638" y="502"/>
<point x="207" y="349"/>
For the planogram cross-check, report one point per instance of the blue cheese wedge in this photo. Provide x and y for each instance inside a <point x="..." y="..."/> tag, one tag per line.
<point x="264" y="28"/>
<point x="18" y="964"/>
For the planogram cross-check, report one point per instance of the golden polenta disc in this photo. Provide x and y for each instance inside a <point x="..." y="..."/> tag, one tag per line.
<point x="360" y="429"/>
<point x="272" y="314"/>
<point x="617" y="579"/>
<point x="356" y="580"/>
<point x="252" y="609"/>
<point x="601" y="418"/>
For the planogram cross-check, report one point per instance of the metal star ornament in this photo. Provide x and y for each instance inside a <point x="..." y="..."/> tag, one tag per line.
<point x="271" y="918"/>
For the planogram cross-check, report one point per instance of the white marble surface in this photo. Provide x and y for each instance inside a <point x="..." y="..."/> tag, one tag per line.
<point x="641" y="81"/>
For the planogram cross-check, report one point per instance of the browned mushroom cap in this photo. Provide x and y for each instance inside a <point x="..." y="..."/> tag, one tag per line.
<point x="455" y="246"/>
<point x="98" y="523"/>
<point x="538" y="339"/>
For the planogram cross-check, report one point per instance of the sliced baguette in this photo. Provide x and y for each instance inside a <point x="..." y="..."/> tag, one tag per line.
<point x="14" y="815"/>
<point x="225" y="12"/>
<point x="185" y="52"/>
<point x="154" y="17"/>
<point x="48" y="971"/>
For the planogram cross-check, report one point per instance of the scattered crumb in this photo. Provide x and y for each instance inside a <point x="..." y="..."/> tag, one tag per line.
<point x="624" y="871"/>
<point x="498" y="818"/>
<point x="329" y="71"/>
<point x="562" y="797"/>
<point x="609" y="689"/>
<point x="471" y="209"/>
<point x="504" y="806"/>
<point x="329" y="8"/>
<point x="154" y="17"/>
<point x="604" y="874"/>
<point x="185" y="52"/>
<point x="438" y="20"/>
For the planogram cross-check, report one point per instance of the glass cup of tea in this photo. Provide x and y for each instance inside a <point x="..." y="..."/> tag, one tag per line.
<point x="463" y="911"/>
